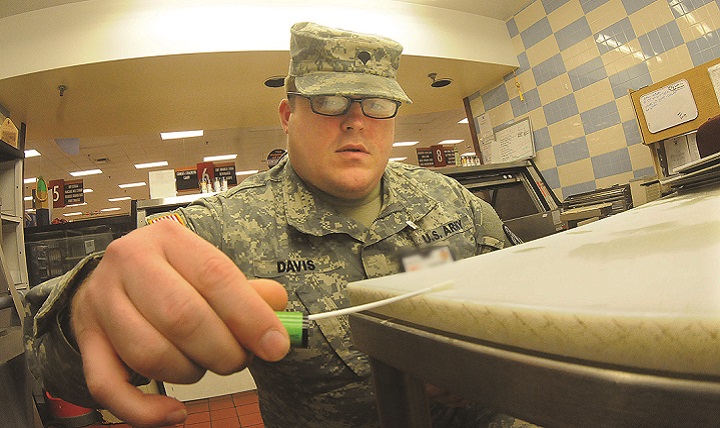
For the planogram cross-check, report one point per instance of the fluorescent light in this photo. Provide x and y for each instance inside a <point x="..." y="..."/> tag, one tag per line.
<point x="27" y="198"/>
<point x="247" y="172"/>
<point x="72" y="214"/>
<point x="104" y="210"/>
<point x="86" y="172"/>
<point x="468" y="154"/>
<point x="463" y="120"/>
<point x="398" y="159"/>
<point x="448" y="142"/>
<point x="219" y="158"/>
<point x="124" y="198"/>
<point x="138" y="184"/>
<point x="76" y="205"/>
<point x="30" y="180"/>
<point x="88" y="190"/>
<point x="405" y="143"/>
<point x="31" y="153"/>
<point x="180" y="134"/>
<point x="151" y="164"/>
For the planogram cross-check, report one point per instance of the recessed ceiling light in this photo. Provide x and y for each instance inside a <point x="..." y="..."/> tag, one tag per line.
<point x="219" y="158"/>
<point x="124" y="198"/>
<point x="104" y="210"/>
<point x="151" y="164"/>
<point x="275" y="82"/>
<point x="247" y="172"/>
<point x="72" y="214"/>
<point x="468" y="154"/>
<point x="76" y="205"/>
<point x="448" y="142"/>
<point x="31" y="153"/>
<point x="88" y="190"/>
<point x="127" y="185"/>
<point x="400" y="159"/>
<point x="28" y="198"/>
<point x="180" y="134"/>
<point x="463" y="120"/>
<point x="86" y="172"/>
<point x="405" y="143"/>
<point x="30" y="180"/>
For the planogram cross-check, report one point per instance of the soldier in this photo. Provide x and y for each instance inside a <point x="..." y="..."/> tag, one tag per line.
<point x="195" y="290"/>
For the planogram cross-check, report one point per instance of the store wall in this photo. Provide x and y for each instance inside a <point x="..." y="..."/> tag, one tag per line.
<point x="578" y="59"/>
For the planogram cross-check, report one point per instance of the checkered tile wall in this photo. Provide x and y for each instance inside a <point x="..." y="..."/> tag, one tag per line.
<point x="578" y="59"/>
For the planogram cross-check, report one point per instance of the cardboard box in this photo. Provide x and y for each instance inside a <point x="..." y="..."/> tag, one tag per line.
<point x="9" y="133"/>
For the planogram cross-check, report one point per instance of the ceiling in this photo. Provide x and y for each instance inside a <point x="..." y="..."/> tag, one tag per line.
<point x="117" y="109"/>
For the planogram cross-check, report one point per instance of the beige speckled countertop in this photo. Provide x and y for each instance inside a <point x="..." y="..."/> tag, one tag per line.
<point x="640" y="289"/>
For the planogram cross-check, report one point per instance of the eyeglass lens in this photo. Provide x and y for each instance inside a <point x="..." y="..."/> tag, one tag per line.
<point x="335" y="105"/>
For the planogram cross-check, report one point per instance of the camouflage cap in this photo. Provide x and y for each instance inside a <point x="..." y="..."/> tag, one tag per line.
<point x="329" y="61"/>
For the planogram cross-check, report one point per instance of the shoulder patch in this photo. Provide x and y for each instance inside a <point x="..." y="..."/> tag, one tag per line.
<point x="172" y="216"/>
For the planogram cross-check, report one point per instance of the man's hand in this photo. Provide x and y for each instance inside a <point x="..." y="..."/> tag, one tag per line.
<point x="169" y="305"/>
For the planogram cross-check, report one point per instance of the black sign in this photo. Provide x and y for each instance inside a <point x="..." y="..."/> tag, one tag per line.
<point x="74" y="192"/>
<point x="186" y="179"/>
<point x="425" y="157"/>
<point x="227" y="171"/>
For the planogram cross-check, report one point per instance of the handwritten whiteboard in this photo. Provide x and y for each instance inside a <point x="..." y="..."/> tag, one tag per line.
<point x="669" y="106"/>
<point x="513" y="142"/>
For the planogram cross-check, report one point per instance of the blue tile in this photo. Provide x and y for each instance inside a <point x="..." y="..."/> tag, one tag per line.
<point x="573" y="33"/>
<point x="552" y="5"/>
<point x="548" y="69"/>
<point x="512" y="28"/>
<point x="586" y="74"/>
<point x="560" y="109"/>
<point x="615" y="162"/>
<point x="644" y="172"/>
<point x="632" y="132"/>
<point x="705" y="48"/>
<point x="661" y="39"/>
<point x="682" y="7"/>
<point x="575" y="189"/>
<point x="552" y="177"/>
<point x="495" y="97"/>
<point x="632" y="6"/>
<point x="524" y="63"/>
<point x="571" y="151"/>
<point x="600" y="118"/>
<point x="531" y="102"/>
<point x="541" y="137"/>
<point x="590" y="5"/>
<point x="614" y="36"/>
<point x="633" y="78"/>
<point x="536" y="33"/>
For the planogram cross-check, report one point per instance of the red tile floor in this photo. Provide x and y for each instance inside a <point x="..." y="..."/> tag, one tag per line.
<point x="240" y="410"/>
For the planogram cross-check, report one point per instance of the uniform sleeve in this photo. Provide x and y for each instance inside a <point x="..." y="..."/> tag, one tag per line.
<point x="491" y="234"/>
<point x="52" y="359"/>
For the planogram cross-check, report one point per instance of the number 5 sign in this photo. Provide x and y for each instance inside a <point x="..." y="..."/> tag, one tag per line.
<point x="56" y="191"/>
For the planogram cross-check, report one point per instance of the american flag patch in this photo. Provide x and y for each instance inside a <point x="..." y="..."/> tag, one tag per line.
<point x="173" y="217"/>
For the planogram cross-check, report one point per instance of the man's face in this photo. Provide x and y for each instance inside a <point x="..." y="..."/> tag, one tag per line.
<point x="344" y="156"/>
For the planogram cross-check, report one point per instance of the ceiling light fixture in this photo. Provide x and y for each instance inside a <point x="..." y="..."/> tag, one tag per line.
<point x="219" y="158"/>
<point x="150" y="164"/>
<point x="104" y="210"/>
<point x="30" y="180"/>
<point x="181" y="134"/>
<point x="247" y="172"/>
<point x="72" y="214"/>
<point x="128" y="185"/>
<point x="31" y="153"/>
<point x="86" y="172"/>
<point x="124" y="198"/>
<point x="465" y="120"/>
<point x="449" y="142"/>
<point x="405" y="143"/>
<point x="400" y="159"/>
<point x="439" y="82"/>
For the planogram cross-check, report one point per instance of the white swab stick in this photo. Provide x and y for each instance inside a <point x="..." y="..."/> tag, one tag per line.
<point x="442" y="286"/>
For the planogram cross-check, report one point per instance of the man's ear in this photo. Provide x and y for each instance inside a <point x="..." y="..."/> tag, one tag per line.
<point x="284" y="110"/>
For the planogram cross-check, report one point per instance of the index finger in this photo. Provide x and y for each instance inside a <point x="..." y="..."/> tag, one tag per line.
<point x="226" y="289"/>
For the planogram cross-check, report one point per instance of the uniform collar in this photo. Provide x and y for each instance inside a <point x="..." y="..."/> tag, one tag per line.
<point x="403" y="201"/>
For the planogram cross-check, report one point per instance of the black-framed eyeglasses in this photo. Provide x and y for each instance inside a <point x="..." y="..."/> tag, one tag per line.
<point x="338" y="105"/>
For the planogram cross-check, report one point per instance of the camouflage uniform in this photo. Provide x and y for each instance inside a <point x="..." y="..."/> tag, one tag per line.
<point x="273" y="227"/>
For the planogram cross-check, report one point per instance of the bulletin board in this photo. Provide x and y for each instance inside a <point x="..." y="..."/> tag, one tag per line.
<point x="676" y="105"/>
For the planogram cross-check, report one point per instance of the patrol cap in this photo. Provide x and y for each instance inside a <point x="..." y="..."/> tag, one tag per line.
<point x="330" y="61"/>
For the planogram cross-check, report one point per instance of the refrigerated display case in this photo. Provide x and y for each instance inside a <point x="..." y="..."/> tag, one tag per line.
<point x="54" y="249"/>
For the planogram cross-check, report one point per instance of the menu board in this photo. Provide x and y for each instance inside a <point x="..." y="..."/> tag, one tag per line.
<point x="513" y="142"/>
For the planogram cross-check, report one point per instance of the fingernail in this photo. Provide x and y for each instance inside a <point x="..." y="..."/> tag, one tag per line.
<point x="275" y="345"/>
<point x="176" y="417"/>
